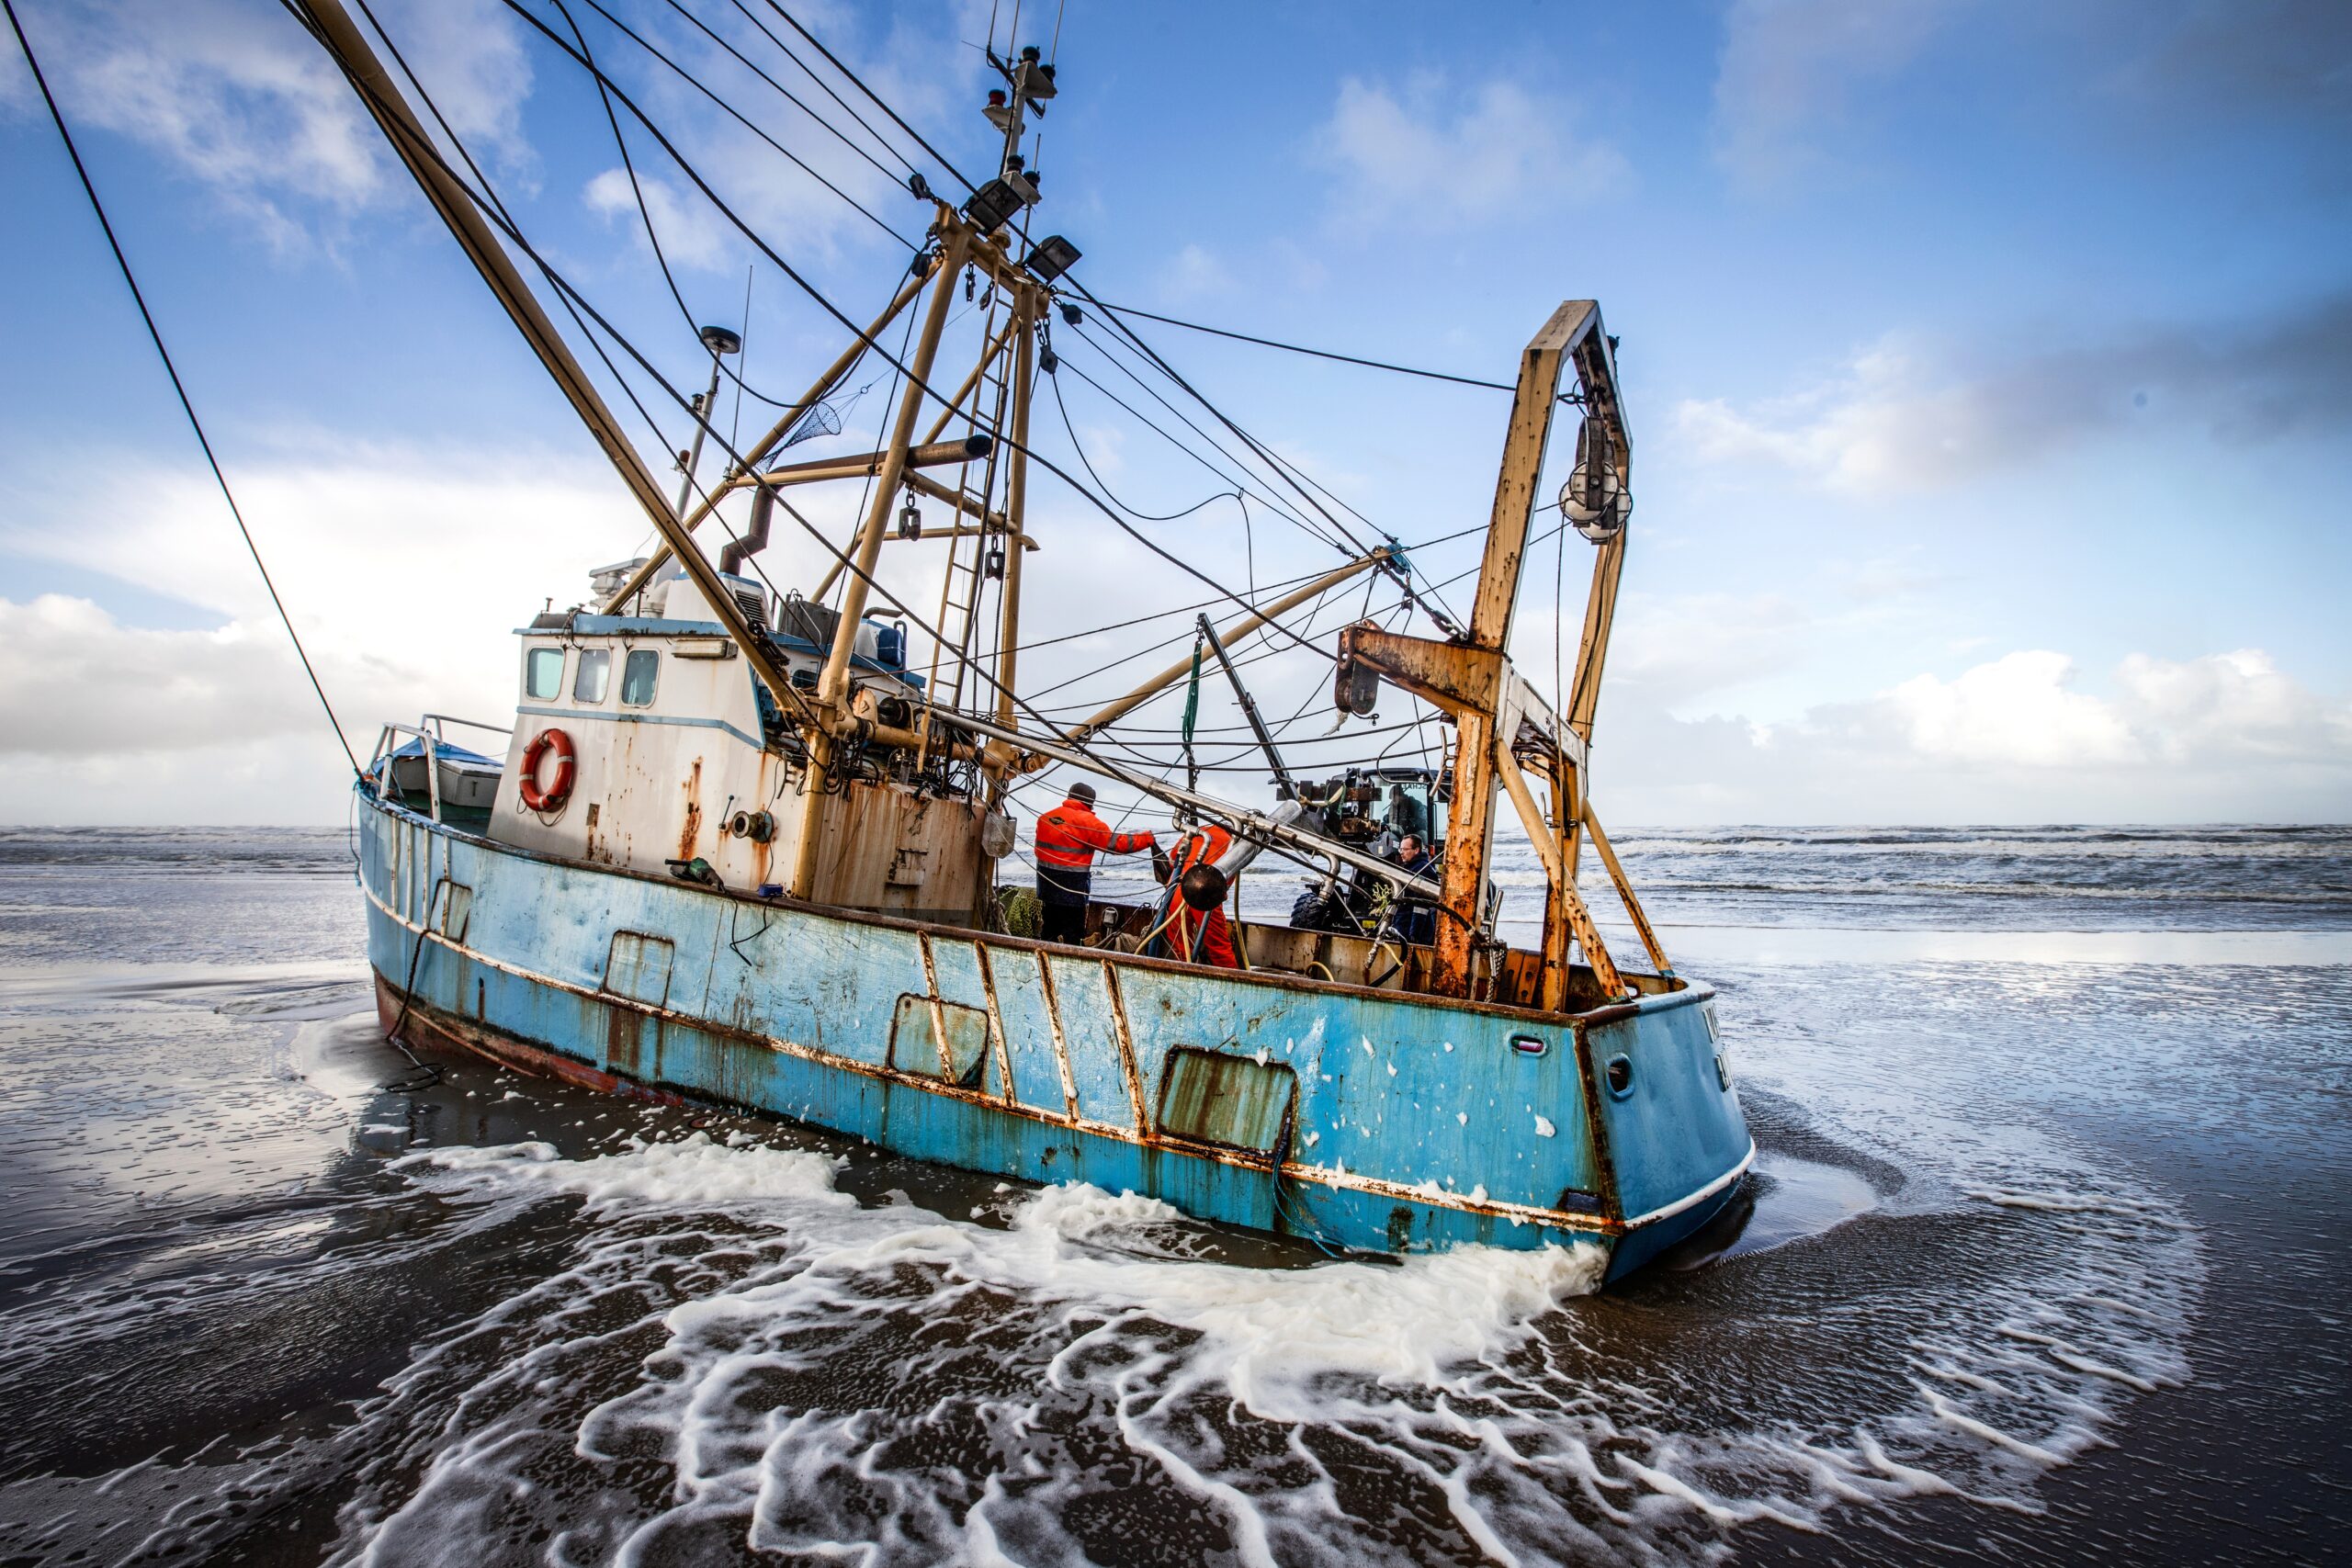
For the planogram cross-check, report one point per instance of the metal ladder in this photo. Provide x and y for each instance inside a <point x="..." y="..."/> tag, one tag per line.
<point x="961" y="584"/>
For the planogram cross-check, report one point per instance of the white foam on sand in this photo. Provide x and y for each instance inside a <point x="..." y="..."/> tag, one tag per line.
<point x="692" y="1172"/>
<point x="743" y="1357"/>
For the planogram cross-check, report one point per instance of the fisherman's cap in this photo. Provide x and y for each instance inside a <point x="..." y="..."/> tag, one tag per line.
<point x="1083" y="790"/>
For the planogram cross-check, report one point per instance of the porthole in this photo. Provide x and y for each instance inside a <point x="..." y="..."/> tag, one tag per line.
<point x="1618" y="1073"/>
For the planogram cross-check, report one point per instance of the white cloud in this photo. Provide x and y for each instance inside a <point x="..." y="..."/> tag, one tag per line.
<point x="1192" y="272"/>
<point x="2233" y="704"/>
<point x="1674" y="647"/>
<point x="1789" y="68"/>
<point x="2220" y="738"/>
<point x="692" y="232"/>
<point x="1433" y="151"/>
<point x="405" y="574"/>
<point x="236" y="97"/>
<point x="2016" y="712"/>
<point x="73" y="682"/>
<point x="1909" y="414"/>
<point x="1881" y="425"/>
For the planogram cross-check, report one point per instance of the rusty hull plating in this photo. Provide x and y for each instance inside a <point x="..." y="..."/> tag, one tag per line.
<point x="1356" y="1117"/>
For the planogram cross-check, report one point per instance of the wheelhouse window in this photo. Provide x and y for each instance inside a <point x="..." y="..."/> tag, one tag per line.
<point x="638" y="672"/>
<point x="596" y="674"/>
<point x="543" y="674"/>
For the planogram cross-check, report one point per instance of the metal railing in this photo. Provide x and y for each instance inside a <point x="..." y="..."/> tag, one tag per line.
<point x="431" y="733"/>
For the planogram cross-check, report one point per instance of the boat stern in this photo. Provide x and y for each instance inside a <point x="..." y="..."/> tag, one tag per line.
<point x="1667" y="1118"/>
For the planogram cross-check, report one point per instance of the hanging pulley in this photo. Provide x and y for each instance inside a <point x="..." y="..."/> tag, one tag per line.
<point x="1595" y="500"/>
<point x="910" y="518"/>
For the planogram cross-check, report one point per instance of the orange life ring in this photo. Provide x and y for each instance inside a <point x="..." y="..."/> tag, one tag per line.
<point x="559" y="789"/>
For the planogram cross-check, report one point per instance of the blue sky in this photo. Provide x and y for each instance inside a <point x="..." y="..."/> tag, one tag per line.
<point x="1989" y="369"/>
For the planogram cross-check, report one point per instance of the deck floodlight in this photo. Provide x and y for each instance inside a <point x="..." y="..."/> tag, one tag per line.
<point x="720" y="339"/>
<point x="992" y="204"/>
<point x="1052" y="257"/>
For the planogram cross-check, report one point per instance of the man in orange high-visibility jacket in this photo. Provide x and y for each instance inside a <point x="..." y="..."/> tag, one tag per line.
<point x="1069" y="837"/>
<point x="1193" y="935"/>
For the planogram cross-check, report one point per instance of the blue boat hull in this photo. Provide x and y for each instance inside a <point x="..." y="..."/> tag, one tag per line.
<point x="1362" y="1119"/>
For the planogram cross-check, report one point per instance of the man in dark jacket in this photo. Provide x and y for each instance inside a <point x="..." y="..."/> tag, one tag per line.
<point x="1068" y="837"/>
<point x="1416" y="921"/>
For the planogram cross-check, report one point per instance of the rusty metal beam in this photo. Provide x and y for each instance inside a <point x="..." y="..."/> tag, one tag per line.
<point x="1570" y="906"/>
<point x="936" y="454"/>
<point x="1232" y="633"/>
<point x="817" y="391"/>
<point x="1444" y="674"/>
<point x="1625" y="891"/>
<point x="342" y="38"/>
<point x="1471" y="821"/>
<point x="1028" y="304"/>
<point x="832" y="680"/>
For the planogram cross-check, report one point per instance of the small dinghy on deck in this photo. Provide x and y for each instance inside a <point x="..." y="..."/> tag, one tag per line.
<point x="738" y="850"/>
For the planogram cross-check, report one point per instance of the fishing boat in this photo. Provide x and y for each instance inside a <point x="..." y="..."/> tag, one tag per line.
<point x="749" y="847"/>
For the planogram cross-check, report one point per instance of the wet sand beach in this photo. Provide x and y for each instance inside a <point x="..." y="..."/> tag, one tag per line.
<point x="2045" y="1261"/>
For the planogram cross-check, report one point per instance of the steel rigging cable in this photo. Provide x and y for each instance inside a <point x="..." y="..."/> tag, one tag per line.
<point x="178" y="388"/>
<point x="859" y="84"/>
<point x="1571" y="397"/>
<point x="699" y="85"/>
<point x="487" y="203"/>
<point x="695" y="175"/>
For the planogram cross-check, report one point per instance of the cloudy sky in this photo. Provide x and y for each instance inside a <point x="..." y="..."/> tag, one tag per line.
<point x="1989" y="368"/>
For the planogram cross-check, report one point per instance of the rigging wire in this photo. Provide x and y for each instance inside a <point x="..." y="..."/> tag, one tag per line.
<point x="859" y="84"/>
<point x="179" y="387"/>
<point x="1242" y="485"/>
<point x="1288" y="512"/>
<point x="1079" y="448"/>
<point x="698" y="86"/>
<point x="1218" y="414"/>
<point x="1290" y="473"/>
<point x="1328" y="353"/>
<point x="645" y="214"/>
<point x="822" y="85"/>
<point x="487" y="202"/>
<point x="800" y="281"/>
<point x="840" y="135"/>
<point x="735" y="418"/>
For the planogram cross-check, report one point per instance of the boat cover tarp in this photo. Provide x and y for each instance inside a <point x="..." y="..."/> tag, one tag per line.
<point x="448" y="753"/>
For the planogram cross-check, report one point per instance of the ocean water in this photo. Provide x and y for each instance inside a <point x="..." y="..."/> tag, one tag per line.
<point x="2048" y="1260"/>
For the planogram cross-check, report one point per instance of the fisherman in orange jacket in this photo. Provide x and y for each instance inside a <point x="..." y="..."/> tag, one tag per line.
<point x="1068" y="837"/>
<point x="1201" y="937"/>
